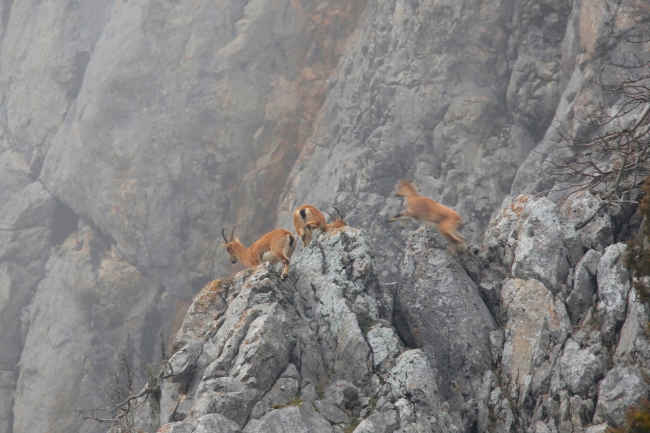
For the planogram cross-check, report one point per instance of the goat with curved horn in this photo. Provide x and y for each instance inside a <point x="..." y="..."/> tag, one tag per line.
<point x="274" y="247"/>
<point x="307" y="218"/>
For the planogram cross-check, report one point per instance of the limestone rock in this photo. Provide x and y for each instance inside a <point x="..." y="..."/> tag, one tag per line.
<point x="437" y="299"/>
<point x="385" y="346"/>
<point x="633" y="346"/>
<point x="300" y="419"/>
<point x="584" y="286"/>
<point x="215" y="423"/>
<point x="621" y="388"/>
<point x="581" y="368"/>
<point x="613" y="288"/>
<point x="536" y="326"/>
<point x="533" y="239"/>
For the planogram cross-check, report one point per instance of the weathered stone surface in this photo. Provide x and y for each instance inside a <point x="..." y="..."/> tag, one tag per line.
<point x="176" y="427"/>
<point x="533" y="240"/>
<point x="633" y="346"/>
<point x="621" y="388"/>
<point x="331" y="412"/>
<point x="597" y="234"/>
<point x="493" y="411"/>
<point x="385" y="346"/>
<point x="535" y="326"/>
<point x="215" y="423"/>
<point x="385" y="422"/>
<point x="99" y="292"/>
<point x="584" y="286"/>
<point x="438" y="300"/>
<point x="299" y="419"/>
<point x="613" y="288"/>
<point x="581" y="368"/>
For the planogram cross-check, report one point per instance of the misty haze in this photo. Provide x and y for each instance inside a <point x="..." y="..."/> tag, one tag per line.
<point x="339" y="216"/>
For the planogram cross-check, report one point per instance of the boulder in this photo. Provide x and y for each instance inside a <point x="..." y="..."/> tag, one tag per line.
<point x="302" y="418"/>
<point x="215" y="423"/>
<point x="621" y="388"/>
<point x="581" y="368"/>
<point x="536" y="327"/>
<point x="584" y="286"/>
<point x="613" y="288"/>
<point x="437" y="300"/>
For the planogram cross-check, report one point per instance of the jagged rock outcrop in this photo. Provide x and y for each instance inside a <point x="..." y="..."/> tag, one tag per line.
<point x="314" y="354"/>
<point x="563" y="378"/>
<point x="441" y="312"/>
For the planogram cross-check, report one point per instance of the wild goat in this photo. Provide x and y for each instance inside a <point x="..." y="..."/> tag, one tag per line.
<point x="429" y="212"/>
<point x="307" y="218"/>
<point x="275" y="246"/>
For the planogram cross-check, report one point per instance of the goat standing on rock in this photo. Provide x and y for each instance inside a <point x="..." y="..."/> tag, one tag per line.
<point x="275" y="246"/>
<point x="307" y="218"/>
<point x="429" y="212"/>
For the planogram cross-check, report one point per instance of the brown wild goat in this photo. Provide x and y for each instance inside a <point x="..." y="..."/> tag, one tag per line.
<point x="429" y="212"/>
<point x="307" y="218"/>
<point x="275" y="246"/>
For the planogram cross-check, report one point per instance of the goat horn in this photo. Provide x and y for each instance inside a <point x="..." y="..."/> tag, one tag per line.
<point x="232" y="233"/>
<point x="333" y="219"/>
<point x="223" y="233"/>
<point x="340" y="214"/>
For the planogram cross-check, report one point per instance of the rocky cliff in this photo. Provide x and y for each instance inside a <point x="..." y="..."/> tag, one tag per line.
<point x="132" y="132"/>
<point x="534" y="335"/>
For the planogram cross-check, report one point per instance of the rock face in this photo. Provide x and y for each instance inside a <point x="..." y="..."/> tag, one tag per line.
<point x="312" y="354"/>
<point x="132" y="132"/>
<point x="440" y="311"/>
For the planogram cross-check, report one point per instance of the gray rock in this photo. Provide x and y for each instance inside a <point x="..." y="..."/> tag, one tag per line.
<point x="295" y="419"/>
<point x="437" y="299"/>
<point x="215" y="423"/>
<point x="621" y="388"/>
<point x="331" y="412"/>
<point x="613" y="287"/>
<point x="600" y="428"/>
<point x="413" y="378"/>
<point x="31" y="207"/>
<point x="384" y="422"/>
<point x="633" y="346"/>
<point x="493" y="408"/>
<point x="203" y="316"/>
<point x="536" y="325"/>
<point x="532" y="238"/>
<point x="342" y="394"/>
<point x="283" y="391"/>
<point x="385" y="345"/>
<point x="88" y="286"/>
<point x="584" y="286"/>
<point x="235" y="406"/>
<point x="581" y="368"/>
<point x="264" y="353"/>
<point x="177" y="427"/>
<point x="541" y="253"/>
<point x="14" y="174"/>
<point x="599" y="233"/>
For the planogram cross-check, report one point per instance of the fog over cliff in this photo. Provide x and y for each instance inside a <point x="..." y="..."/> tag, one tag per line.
<point x="133" y="131"/>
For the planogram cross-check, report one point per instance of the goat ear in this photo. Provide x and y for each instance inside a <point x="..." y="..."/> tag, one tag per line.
<point x="224" y="245"/>
<point x="237" y="239"/>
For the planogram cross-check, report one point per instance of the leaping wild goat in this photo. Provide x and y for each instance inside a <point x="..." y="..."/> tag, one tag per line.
<point x="307" y="218"/>
<point x="429" y="212"/>
<point x="275" y="246"/>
